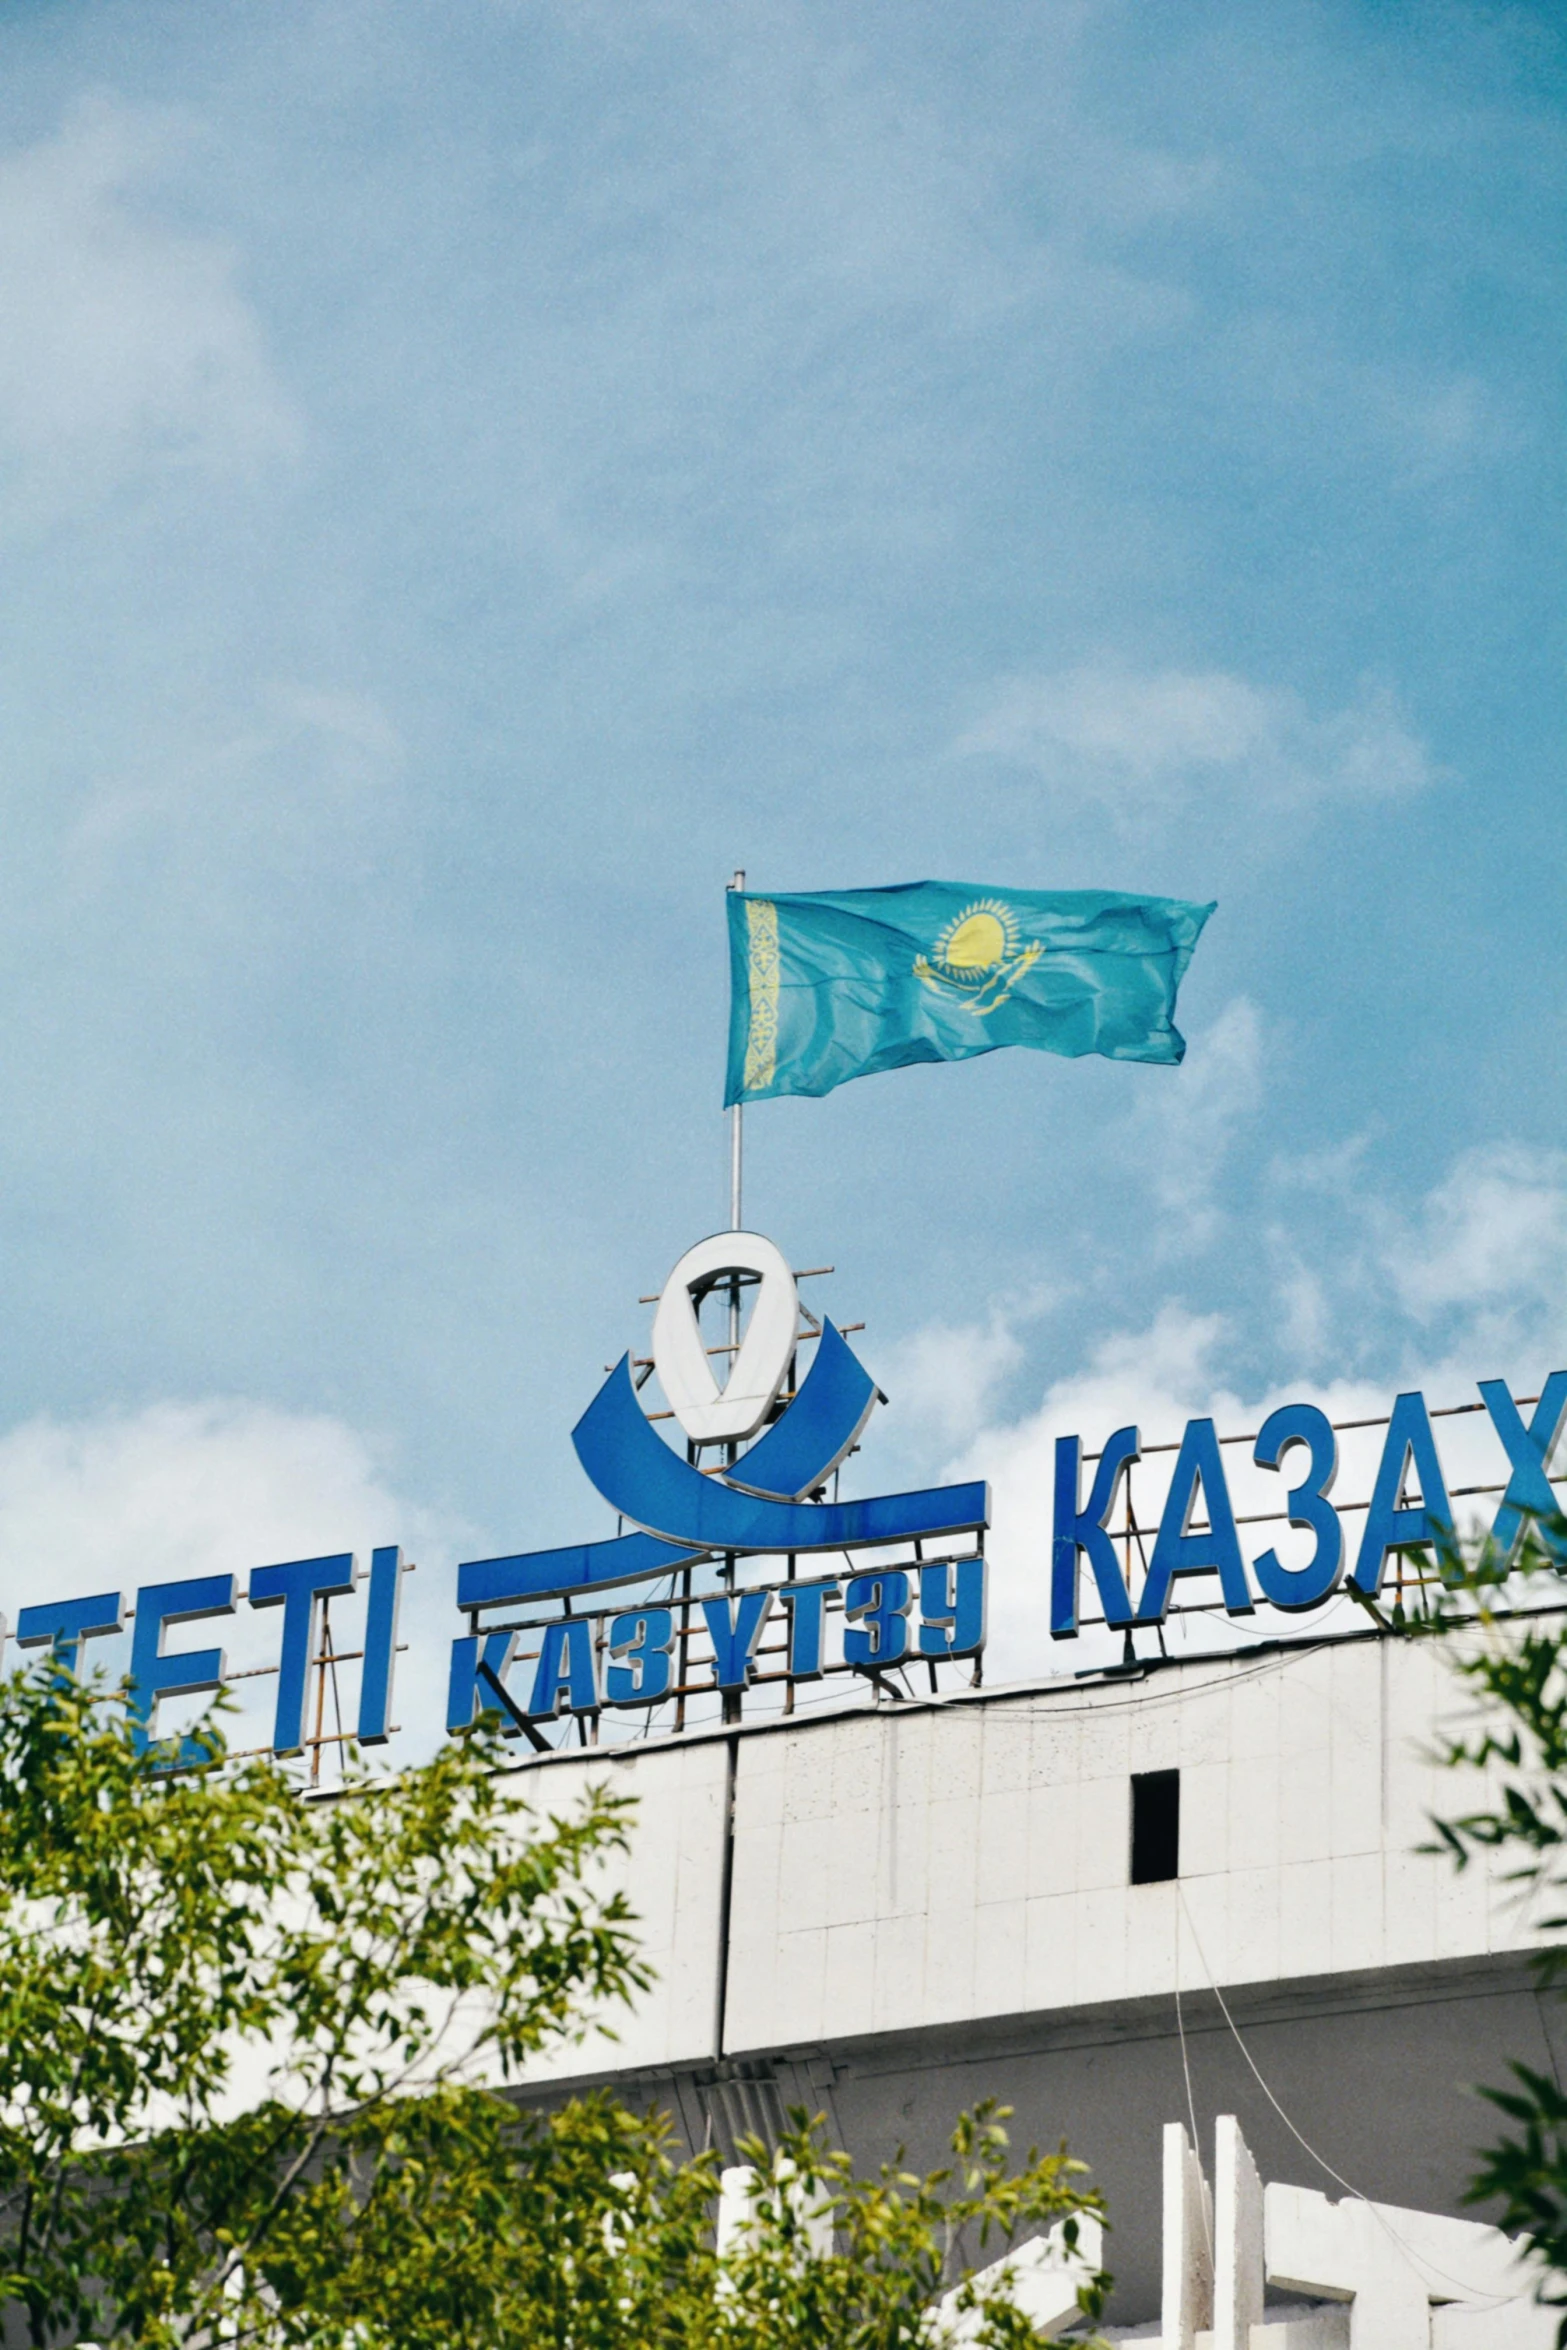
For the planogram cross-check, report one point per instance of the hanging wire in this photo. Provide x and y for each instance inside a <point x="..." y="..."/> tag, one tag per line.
<point x="1416" y="2260"/>
<point x="1191" y="2106"/>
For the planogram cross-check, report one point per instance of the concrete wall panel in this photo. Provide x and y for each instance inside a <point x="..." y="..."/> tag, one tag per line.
<point x="932" y="1904"/>
<point x="672" y="1878"/>
<point x="972" y="1859"/>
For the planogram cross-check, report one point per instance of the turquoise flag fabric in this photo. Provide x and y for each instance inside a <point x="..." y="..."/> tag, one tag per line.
<point x="832" y="984"/>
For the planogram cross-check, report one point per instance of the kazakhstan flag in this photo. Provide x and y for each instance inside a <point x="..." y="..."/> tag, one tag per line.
<point x="832" y="984"/>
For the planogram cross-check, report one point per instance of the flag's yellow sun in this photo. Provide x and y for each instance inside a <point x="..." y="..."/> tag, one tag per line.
<point x="978" y="942"/>
<point x="979" y="957"/>
<point x="980" y="938"/>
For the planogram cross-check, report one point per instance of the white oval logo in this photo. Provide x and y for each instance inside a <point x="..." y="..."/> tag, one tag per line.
<point x="708" y="1413"/>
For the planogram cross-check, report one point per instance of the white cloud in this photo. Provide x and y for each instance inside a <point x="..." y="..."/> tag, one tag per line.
<point x="944" y="1378"/>
<point x="1141" y="744"/>
<point x="1184" y="1133"/>
<point x="1306" y="1325"/>
<point x="1155" y="1377"/>
<point x="1469" y="1286"/>
<point x="127" y="340"/>
<point x="1473" y="1273"/>
<point x="296" y="766"/>
<point x="217" y="1487"/>
<point x="1492" y="1236"/>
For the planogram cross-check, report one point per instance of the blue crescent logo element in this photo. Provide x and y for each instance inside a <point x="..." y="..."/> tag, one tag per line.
<point x="754" y="1505"/>
<point x="800" y="1451"/>
<point x="644" y="1479"/>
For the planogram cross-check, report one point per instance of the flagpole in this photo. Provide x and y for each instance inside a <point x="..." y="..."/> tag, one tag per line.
<point x="736" y="1144"/>
<point x="731" y="1709"/>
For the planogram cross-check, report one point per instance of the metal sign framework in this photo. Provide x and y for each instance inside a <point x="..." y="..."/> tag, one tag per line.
<point x="694" y="1696"/>
<point x="1134" y="1534"/>
<point x="695" y="1689"/>
<point x="325" y="1694"/>
<point x="509" y="1635"/>
<point x="695" y="1676"/>
<point x="695" y="1692"/>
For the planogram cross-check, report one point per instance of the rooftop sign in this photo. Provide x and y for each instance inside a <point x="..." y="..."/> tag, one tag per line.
<point x="744" y="1572"/>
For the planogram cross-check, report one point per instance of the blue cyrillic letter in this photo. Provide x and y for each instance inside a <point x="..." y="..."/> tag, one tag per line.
<point x="295" y="1588"/>
<point x="877" y="1606"/>
<point x="380" y="1658"/>
<point x="1529" y="1453"/>
<point x="1307" y="1504"/>
<point x="806" y="1604"/>
<point x="952" y="1608"/>
<point x="566" y="1669"/>
<point x="466" y="1694"/>
<point x="65" y="1623"/>
<point x="642" y="1638"/>
<point x="154" y="1675"/>
<point x="1077" y="1530"/>
<point x="735" y="1626"/>
<point x="1199" y="1468"/>
<point x="1388" y="1527"/>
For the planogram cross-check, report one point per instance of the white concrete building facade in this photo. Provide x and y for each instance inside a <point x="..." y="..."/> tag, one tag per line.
<point x="890" y="1911"/>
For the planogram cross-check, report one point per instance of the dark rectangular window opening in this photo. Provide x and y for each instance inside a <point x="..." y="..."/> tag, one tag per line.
<point x="1156" y="1827"/>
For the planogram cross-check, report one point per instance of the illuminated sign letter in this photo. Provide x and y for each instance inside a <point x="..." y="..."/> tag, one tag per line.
<point x="380" y="1658"/>
<point x="1176" y="1551"/>
<point x="878" y="1606"/>
<point x="565" y="1669"/>
<point x="1307" y="1504"/>
<point x="1077" y="1530"/>
<point x="479" y="1662"/>
<point x="735" y="1626"/>
<point x="154" y="1675"/>
<point x="1529" y="1453"/>
<point x="1390" y="1526"/>
<point x="806" y="1604"/>
<point x="642" y="1638"/>
<point x="952" y="1608"/>
<point x="295" y="1588"/>
<point x="65" y="1623"/>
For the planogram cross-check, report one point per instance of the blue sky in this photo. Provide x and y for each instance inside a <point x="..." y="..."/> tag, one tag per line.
<point x="469" y="479"/>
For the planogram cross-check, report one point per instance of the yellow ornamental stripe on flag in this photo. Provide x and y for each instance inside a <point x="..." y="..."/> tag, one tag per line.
<point x="761" y="1048"/>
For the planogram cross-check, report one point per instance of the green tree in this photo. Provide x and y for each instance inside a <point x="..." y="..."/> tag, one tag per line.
<point x="897" y="2242"/>
<point x="254" y="2055"/>
<point x="220" y="2002"/>
<point x="580" y="2229"/>
<point x="1516" y="1664"/>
